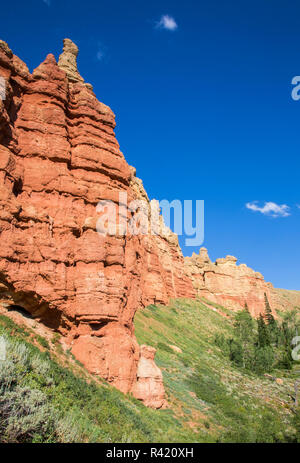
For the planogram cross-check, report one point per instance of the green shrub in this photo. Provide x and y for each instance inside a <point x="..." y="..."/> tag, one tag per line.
<point x="264" y="360"/>
<point x="26" y="416"/>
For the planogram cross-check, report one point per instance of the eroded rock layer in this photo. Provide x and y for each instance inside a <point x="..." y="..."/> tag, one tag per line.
<point x="58" y="158"/>
<point x="228" y="284"/>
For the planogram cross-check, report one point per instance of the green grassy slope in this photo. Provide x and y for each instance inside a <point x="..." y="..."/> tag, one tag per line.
<point x="42" y="400"/>
<point x="288" y="299"/>
<point x="205" y="390"/>
<point x="47" y="397"/>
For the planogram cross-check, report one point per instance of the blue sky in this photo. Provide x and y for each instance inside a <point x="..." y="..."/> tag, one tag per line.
<point x="202" y="94"/>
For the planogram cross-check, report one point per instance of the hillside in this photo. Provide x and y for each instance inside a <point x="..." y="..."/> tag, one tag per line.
<point x="210" y="400"/>
<point x="287" y="299"/>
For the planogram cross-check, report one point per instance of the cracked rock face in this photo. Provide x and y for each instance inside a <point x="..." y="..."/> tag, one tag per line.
<point x="68" y="61"/>
<point x="58" y="158"/>
<point x="228" y="284"/>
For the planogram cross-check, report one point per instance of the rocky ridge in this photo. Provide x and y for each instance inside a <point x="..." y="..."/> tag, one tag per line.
<point x="228" y="284"/>
<point x="58" y="158"/>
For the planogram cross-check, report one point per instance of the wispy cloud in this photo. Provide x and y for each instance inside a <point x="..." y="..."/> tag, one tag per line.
<point x="99" y="55"/>
<point x="100" y="51"/>
<point x="48" y="2"/>
<point x="167" y="22"/>
<point x="269" y="208"/>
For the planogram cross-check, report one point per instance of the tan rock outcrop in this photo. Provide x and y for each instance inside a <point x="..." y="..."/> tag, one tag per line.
<point x="228" y="284"/>
<point x="68" y="61"/>
<point x="149" y="378"/>
<point x="58" y="158"/>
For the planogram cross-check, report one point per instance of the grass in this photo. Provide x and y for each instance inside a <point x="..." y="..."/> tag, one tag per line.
<point x="210" y="400"/>
<point x="205" y="390"/>
<point x="75" y="409"/>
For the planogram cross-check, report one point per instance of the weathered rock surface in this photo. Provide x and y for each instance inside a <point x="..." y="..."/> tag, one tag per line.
<point x="149" y="379"/>
<point x="58" y="158"/>
<point x="228" y="284"/>
<point x="163" y="273"/>
<point x="68" y="61"/>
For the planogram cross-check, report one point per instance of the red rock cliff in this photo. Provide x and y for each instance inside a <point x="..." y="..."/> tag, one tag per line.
<point x="58" y="158"/>
<point x="228" y="284"/>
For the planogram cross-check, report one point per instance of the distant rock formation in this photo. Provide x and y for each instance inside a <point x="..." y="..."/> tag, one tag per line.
<point x="58" y="158"/>
<point x="228" y="284"/>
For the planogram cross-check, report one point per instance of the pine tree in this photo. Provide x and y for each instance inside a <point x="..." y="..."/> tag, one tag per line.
<point x="236" y="353"/>
<point x="271" y="322"/>
<point x="264" y="359"/>
<point x="264" y="353"/>
<point x="244" y="332"/>
<point x="263" y="334"/>
<point x="268" y="312"/>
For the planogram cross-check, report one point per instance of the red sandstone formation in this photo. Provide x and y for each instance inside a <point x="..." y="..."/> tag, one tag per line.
<point x="58" y="158"/>
<point x="228" y="284"/>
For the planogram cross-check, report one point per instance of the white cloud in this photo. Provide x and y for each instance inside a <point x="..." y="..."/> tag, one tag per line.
<point x="99" y="55"/>
<point x="270" y="209"/>
<point x="167" y="22"/>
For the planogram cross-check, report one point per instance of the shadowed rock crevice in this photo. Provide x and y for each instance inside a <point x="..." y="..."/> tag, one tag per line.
<point x="19" y="309"/>
<point x="29" y="305"/>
